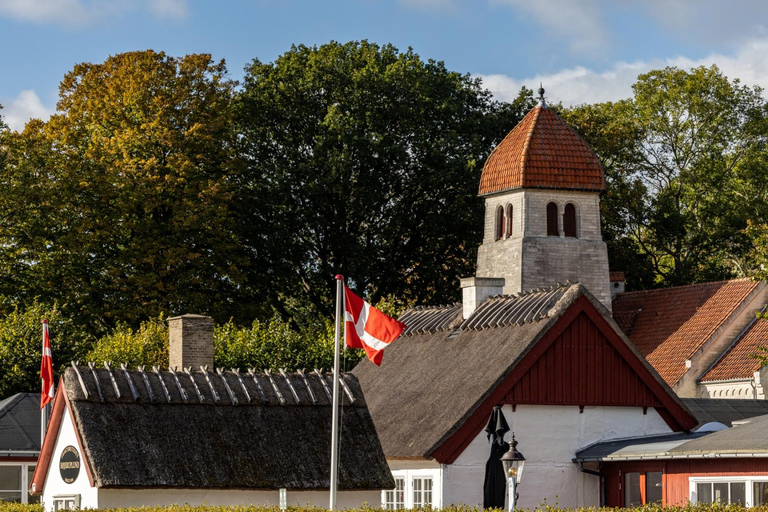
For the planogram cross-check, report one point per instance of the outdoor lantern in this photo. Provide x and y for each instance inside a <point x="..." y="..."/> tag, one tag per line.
<point x="513" y="462"/>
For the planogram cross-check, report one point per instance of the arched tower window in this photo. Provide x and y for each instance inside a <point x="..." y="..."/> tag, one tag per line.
<point x="508" y="233"/>
<point x="499" y="222"/>
<point x="569" y="220"/>
<point x="552" y="220"/>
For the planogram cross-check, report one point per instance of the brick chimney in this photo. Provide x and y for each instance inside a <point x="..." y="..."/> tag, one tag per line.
<point x="191" y="341"/>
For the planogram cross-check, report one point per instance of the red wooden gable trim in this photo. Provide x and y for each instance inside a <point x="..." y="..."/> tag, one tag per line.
<point x="652" y="394"/>
<point x="60" y="401"/>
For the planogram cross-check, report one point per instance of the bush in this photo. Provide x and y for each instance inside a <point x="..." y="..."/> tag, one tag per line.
<point x="146" y="346"/>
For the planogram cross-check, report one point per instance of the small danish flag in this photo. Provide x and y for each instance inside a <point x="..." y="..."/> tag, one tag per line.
<point x="46" y="369"/>
<point x="367" y="327"/>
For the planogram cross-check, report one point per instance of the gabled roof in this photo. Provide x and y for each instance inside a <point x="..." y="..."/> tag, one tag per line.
<point x="210" y="430"/>
<point x="430" y="395"/>
<point x="737" y="362"/>
<point x="542" y="151"/>
<point x="668" y="326"/>
<point x="20" y="424"/>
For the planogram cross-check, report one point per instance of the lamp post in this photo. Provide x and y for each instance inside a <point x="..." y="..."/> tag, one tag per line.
<point x="513" y="462"/>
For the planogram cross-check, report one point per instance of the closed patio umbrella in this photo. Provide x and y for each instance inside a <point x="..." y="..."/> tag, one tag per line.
<point x="495" y="484"/>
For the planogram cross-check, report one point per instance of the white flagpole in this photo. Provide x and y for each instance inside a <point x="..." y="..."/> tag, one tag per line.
<point x="44" y="409"/>
<point x="336" y="372"/>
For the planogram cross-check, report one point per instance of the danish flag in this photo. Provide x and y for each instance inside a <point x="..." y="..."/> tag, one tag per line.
<point x="46" y="369"/>
<point x="368" y="328"/>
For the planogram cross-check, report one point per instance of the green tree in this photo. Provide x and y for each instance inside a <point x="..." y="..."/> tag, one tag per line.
<point x="145" y="346"/>
<point x="120" y="205"/>
<point x="682" y="164"/>
<point x="363" y="160"/>
<point x="21" y="342"/>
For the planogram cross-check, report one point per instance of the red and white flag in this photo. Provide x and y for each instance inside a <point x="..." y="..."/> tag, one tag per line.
<point x="46" y="369"/>
<point x="368" y="328"/>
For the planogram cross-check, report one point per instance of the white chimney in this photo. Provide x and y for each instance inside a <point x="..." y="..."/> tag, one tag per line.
<point x="475" y="290"/>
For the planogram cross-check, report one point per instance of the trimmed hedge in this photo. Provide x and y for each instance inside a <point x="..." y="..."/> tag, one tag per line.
<point x="18" y="507"/>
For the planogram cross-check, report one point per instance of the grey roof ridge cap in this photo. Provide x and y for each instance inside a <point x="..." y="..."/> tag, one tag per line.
<point x="645" y="437"/>
<point x="735" y="341"/>
<point x="670" y="456"/>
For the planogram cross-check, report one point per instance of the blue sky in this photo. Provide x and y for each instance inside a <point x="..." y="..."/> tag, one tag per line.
<point x="582" y="50"/>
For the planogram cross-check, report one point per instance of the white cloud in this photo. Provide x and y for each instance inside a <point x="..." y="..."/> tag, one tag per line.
<point x="20" y="110"/>
<point x="579" y="23"/>
<point x="76" y="13"/>
<point x="579" y="85"/>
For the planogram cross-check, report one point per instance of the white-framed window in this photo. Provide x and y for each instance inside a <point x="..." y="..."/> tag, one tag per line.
<point x="750" y="491"/>
<point x="15" y="479"/>
<point x="395" y="499"/>
<point x="415" y="488"/>
<point x="66" y="502"/>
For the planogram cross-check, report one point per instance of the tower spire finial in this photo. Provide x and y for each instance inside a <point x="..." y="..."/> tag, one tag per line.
<point x="542" y="101"/>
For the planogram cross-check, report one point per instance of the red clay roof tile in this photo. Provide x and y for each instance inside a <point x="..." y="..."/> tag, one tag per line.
<point x="737" y="362"/>
<point x="542" y="151"/>
<point x="669" y="325"/>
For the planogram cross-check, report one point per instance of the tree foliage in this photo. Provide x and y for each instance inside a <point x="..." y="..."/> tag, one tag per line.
<point x="145" y="346"/>
<point x="363" y="160"/>
<point x="21" y="341"/>
<point x="119" y="206"/>
<point x="681" y="171"/>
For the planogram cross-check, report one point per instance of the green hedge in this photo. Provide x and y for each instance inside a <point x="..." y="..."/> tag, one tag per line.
<point x="17" y="507"/>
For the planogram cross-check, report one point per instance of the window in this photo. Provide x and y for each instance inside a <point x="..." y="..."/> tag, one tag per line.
<point x="422" y="492"/>
<point x="569" y="221"/>
<point x="552" y="229"/>
<point x="509" y="221"/>
<point x="68" y="502"/>
<point x="643" y="488"/>
<point x="499" y="223"/>
<point x="14" y="483"/>
<point x="747" y="491"/>
<point x="721" y="492"/>
<point x="395" y="499"/>
<point x="413" y="488"/>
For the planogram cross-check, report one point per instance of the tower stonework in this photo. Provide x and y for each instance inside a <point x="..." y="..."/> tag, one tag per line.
<point x="542" y="188"/>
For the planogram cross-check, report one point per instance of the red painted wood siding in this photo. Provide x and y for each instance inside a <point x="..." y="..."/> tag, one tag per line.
<point x="582" y="367"/>
<point x="676" y="474"/>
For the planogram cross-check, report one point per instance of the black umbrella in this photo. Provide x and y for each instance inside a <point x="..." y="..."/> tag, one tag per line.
<point x="495" y="484"/>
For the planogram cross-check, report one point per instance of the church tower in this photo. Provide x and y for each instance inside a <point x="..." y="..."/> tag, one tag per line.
<point x="542" y="187"/>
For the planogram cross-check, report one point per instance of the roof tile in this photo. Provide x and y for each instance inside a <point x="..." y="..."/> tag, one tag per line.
<point x="738" y="363"/>
<point x="668" y="326"/>
<point x="542" y="151"/>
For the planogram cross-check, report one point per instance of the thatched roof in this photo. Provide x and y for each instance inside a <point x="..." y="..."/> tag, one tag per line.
<point x="20" y="424"/>
<point x="221" y="430"/>
<point x="433" y="380"/>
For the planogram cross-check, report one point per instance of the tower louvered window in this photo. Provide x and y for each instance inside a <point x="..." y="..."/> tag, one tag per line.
<point x="552" y="220"/>
<point x="509" y="221"/>
<point x="499" y="223"/>
<point x="569" y="220"/>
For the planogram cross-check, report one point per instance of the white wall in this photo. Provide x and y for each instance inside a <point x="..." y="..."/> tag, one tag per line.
<point x="549" y="437"/>
<point x="112" y="498"/>
<point x="54" y="485"/>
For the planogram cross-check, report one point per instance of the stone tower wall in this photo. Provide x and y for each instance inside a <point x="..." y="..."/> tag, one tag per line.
<point x="530" y="259"/>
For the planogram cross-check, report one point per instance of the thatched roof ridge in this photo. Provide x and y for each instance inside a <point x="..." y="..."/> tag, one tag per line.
<point x="207" y="387"/>
<point x="261" y="444"/>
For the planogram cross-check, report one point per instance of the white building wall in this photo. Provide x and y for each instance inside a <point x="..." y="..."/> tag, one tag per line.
<point x="54" y="485"/>
<point x="121" y="498"/>
<point x="549" y="437"/>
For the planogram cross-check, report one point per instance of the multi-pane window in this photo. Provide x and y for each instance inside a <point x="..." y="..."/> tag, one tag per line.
<point x="759" y="494"/>
<point x="68" y="502"/>
<point x="422" y="492"/>
<point x="721" y="492"/>
<point x="14" y="482"/>
<point x="395" y="499"/>
<point x="414" y="488"/>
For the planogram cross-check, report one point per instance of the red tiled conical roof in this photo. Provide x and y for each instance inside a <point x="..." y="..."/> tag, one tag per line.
<point x="542" y="151"/>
